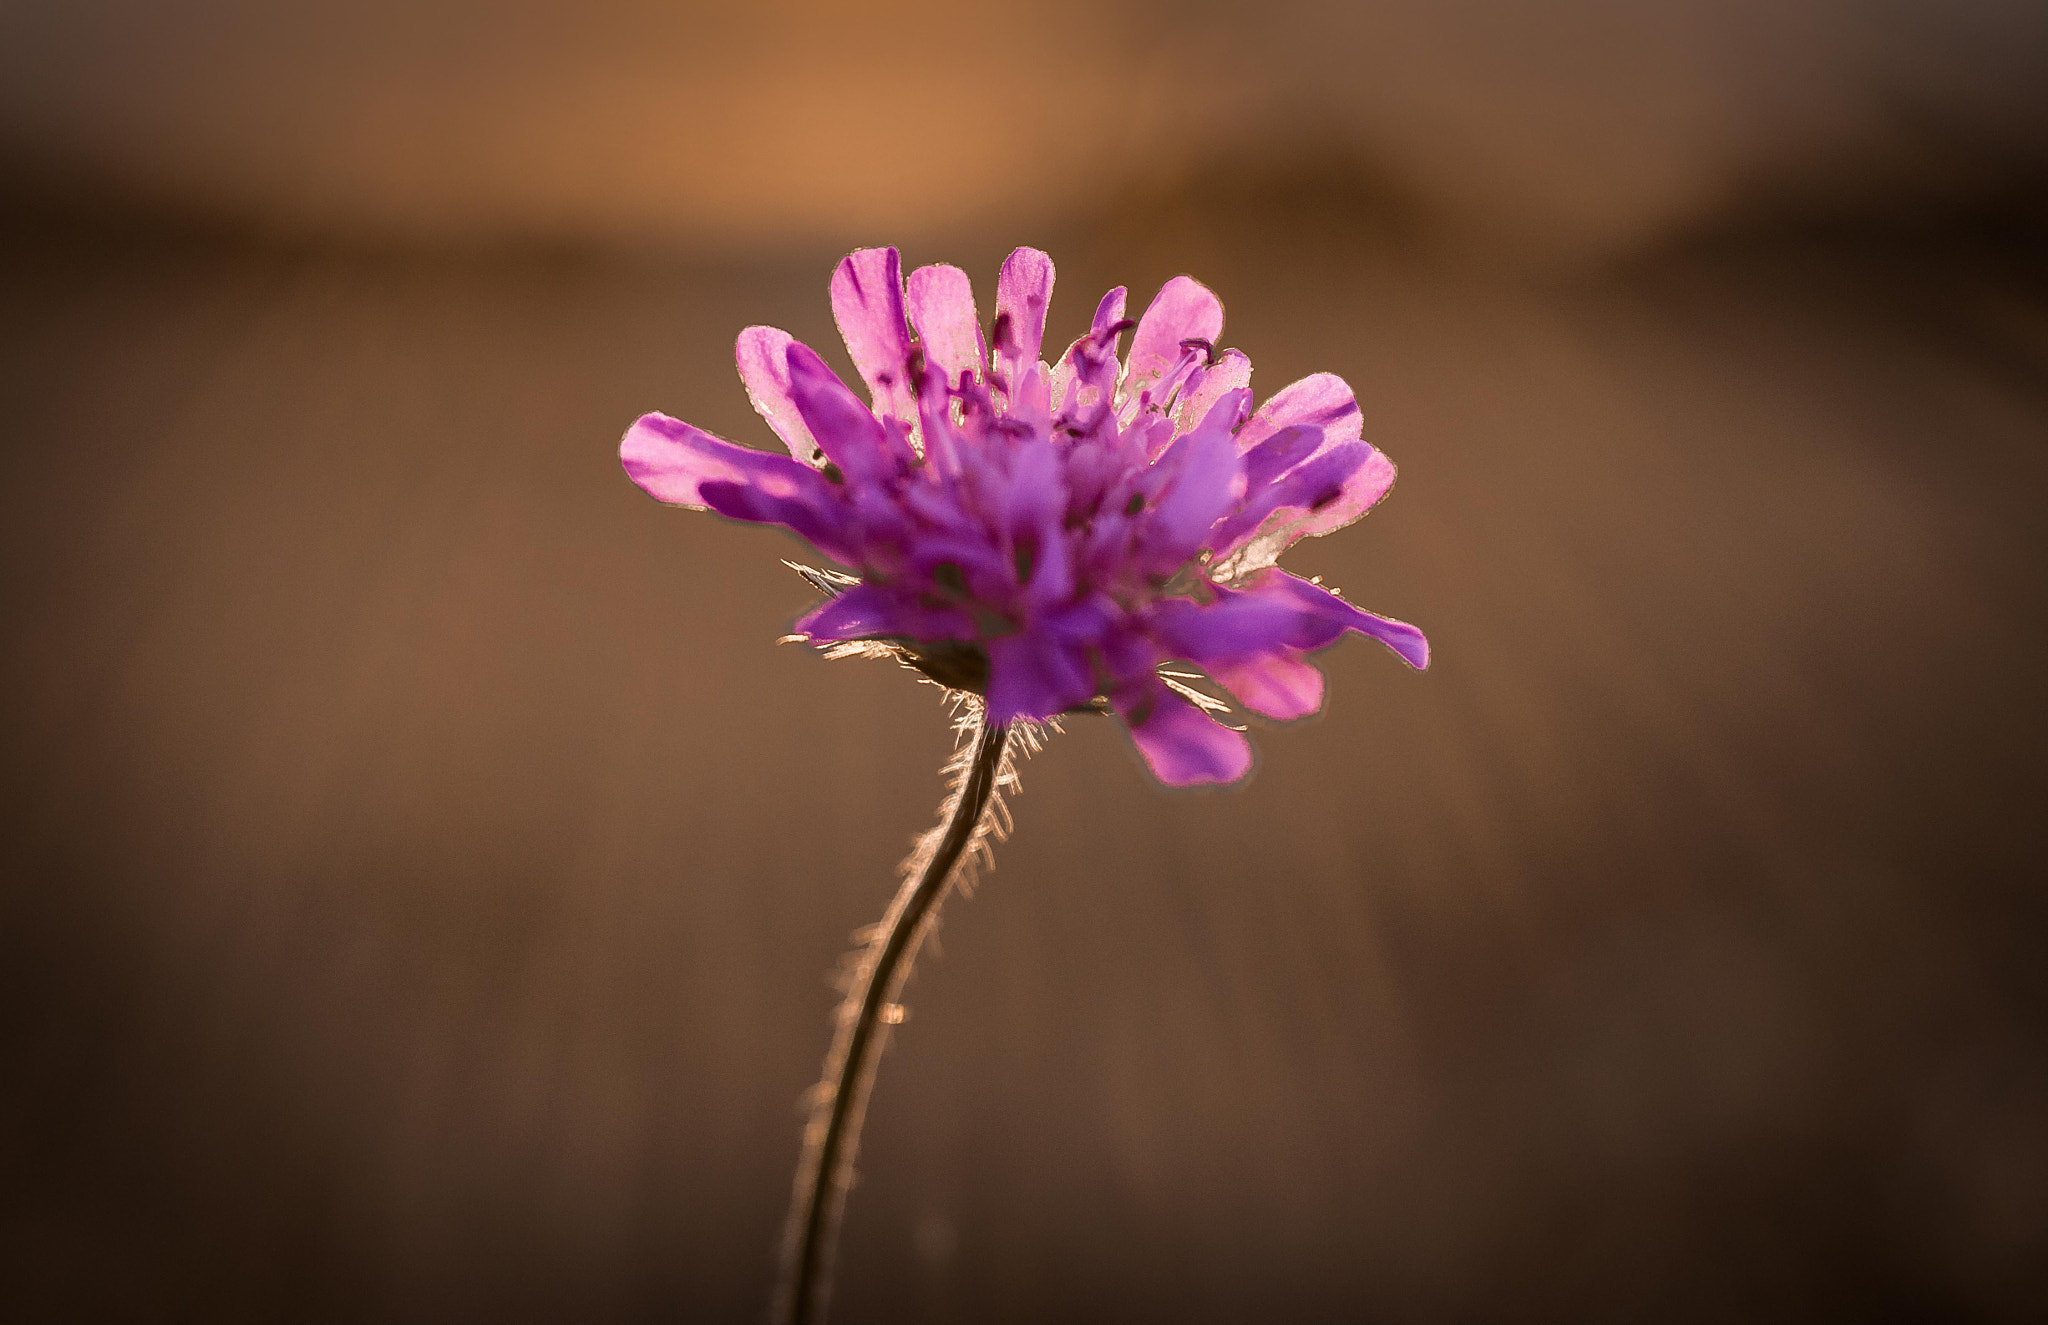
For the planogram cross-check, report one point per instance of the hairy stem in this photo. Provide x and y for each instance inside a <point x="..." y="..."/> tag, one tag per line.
<point x="833" y="1134"/>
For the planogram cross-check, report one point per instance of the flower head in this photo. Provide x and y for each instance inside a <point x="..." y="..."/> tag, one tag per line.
<point x="1050" y="535"/>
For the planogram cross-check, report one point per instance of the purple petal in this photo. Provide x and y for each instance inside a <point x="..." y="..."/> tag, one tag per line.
<point x="1023" y="292"/>
<point x="1032" y="511"/>
<point x="1128" y="651"/>
<point x="1303" y="493"/>
<point x="860" y="612"/>
<point x="1036" y="495"/>
<point x="943" y="445"/>
<point x="1086" y="621"/>
<point x="1088" y="370"/>
<point x="1236" y="627"/>
<point x="982" y="568"/>
<point x="1321" y="400"/>
<point x="1324" y="495"/>
<point x="941" y="304"/>
<point x="1034" y="675"/>
<point x="762" y="353"/>
<point x="1325" y="616"/>
<point x="1359" y="493"/>
<point x="853" y="438"/>
<point x="1207" y="480"/>
<point x="1182" y="745"/>
<point x="1280" y="686"/>
<point x="868" y="612"/>
<point x="685" y="466"/>
<point x="1278" y="454"/>
<point x="867" y="302"/>
<point x="1184" y="310"/>
<point x="824" y="526"/>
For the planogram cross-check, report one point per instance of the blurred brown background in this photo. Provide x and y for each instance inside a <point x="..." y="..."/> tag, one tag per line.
<point x="423" y="868"/>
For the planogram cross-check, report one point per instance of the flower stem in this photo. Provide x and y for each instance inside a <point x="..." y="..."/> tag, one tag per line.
<point x="832" y="1137"/>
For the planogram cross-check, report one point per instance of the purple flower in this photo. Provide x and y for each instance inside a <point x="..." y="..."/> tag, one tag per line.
<point x="1049" y="536"/>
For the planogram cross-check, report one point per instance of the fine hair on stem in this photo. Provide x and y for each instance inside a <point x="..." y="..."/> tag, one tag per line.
<point x="971" y="819"/>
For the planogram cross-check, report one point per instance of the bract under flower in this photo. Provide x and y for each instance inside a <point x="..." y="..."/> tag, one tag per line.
<point x="1076" y="525"/>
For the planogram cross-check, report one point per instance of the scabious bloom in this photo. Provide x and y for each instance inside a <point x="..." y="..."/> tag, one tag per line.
<point x="1048" y="536"/>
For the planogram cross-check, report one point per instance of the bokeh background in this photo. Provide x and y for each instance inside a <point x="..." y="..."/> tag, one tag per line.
<point x="423" y="869"/>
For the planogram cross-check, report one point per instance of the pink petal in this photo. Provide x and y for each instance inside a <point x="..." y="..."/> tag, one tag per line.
<point x="1090" y="362"/>
<point x="1108" y="314"/>
<point x="1205" y="386"/>
<point x="1321" y="400"/>
<point x="1370" y="482"/>
<point x="867" y="302"/>
<point x="1281" y="686"/>
<point x="1183" y="311"/>
<point x="1343" y="478"/>
<point x="671" y="460"/>
<point x="1182" y="745"/>
<point x="764" y="370"/>
<point x="943" y="445"/>
<point x="685" y="466"/>
<point x="941" y="304"/>
<point x="1023" y="293"/>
